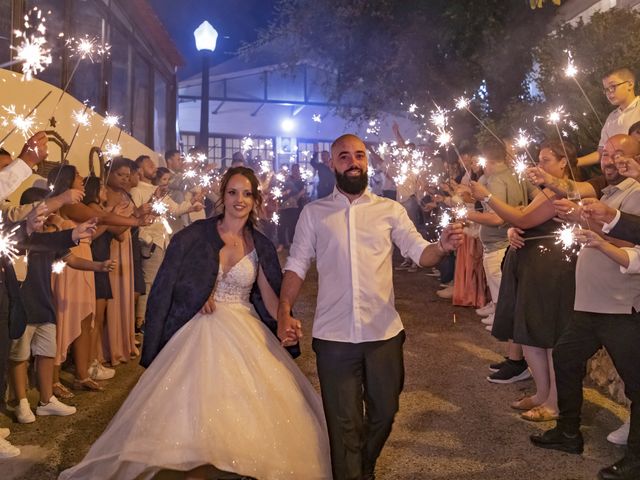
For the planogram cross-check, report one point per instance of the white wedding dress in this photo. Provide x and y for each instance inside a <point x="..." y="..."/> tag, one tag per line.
<point x="221" y="392"/>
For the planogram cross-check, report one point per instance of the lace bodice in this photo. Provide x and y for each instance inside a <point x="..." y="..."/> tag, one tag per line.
<point x="235" y="285"/>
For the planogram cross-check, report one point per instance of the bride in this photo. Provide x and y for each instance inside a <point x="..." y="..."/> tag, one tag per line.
<point x="219" y="390"/>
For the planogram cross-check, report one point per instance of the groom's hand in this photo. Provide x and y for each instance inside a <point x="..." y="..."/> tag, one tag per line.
<point x="289" y="328"/>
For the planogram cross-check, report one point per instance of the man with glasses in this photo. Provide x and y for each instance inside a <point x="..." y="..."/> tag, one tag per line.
<point x="618" y="85"/>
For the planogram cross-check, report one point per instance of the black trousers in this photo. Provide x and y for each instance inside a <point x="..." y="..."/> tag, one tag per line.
<point x="361" y="385"/>
<point x="5" y="341"/>
<point x="584" y="336"/>
<point x="287" y="227"/>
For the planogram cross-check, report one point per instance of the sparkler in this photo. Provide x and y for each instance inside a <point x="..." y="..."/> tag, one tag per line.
<point x="571" y="72"/>
<point x="463" y="103"/>
<point x="110" y="121"/>
<point x="316" y="118"/>
<point x="8" y="242"/>
<point x="32" y="51"/>
<point x="58" y="267"/>
<point x="445" y="220"/>
<point x="24" y="118"/>
<point x="21" y="123"/>
<point x="159" y="207"/>
<point x="482" y="162"/>
<point x="82" y="119"/>
<point x="275" y="218"/>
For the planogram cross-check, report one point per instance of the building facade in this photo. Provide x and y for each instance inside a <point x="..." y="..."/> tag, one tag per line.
<point x="137" y="81"/>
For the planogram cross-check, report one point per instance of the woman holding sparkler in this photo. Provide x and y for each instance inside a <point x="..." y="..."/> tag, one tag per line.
<point x="537" y="289"/>
<point x="229" y="395"/>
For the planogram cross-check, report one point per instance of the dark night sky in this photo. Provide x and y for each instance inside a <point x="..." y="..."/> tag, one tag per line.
<point x="236" y="21"/>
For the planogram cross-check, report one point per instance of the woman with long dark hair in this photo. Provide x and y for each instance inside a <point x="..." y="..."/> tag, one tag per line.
<point x="229" y="395"/>
<point x="538" y="282"/>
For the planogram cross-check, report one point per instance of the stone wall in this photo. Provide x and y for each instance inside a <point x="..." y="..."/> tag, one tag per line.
<point x="601" y="370"/>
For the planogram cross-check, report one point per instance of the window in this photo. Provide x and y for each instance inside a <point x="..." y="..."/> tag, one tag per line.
<point x="87" y="84"/>
<point x="6" y="33"/>
<point x="305" y="150"/>
<point x="141" y="117"/>
<point x="188" y="141"/>
<point x="120" y="87"/>
<point x="55" y="24"/>
<point x="160" y="113"/>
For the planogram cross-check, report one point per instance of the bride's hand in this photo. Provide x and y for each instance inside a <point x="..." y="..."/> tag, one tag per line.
<point x="209" y="306"/>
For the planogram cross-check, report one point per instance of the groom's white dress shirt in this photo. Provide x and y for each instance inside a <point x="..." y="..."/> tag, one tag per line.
<point x="353" y="245"/>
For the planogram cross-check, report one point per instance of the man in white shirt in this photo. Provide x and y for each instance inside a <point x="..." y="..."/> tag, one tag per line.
<point x="154" y="237"/>
<point x="33" y="152"/>
<point x="619" y="87"/>
<point x="357" y="333"/>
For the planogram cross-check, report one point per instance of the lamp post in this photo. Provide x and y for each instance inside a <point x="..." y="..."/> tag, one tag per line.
<point x="206" y="37"/>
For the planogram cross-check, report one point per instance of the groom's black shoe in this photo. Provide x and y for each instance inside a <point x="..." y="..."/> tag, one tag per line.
<point x="556" y="439"/>
<point x="626" y="469"/>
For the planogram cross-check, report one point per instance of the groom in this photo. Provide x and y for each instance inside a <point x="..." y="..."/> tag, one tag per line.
<point x="357" y="333"/>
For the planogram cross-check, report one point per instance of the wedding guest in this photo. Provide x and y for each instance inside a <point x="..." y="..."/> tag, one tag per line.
<point x="606" y="309"/>
<point x="538" y="282"/>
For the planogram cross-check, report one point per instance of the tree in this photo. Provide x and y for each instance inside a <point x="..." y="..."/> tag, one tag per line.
<point x="391" y="52"/>
<point x="604" y="43"/>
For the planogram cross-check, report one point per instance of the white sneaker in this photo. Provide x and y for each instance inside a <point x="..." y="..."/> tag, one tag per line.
<point x="488" y="320"/>
<point x="7" y="450"/>
<point x="487" y="310"/>
<point x="23" y="412"/>
<point x="620" y="436"/>
<point x="4" y="433"/>
<point x="445" y="292"/>
<point x="55" y="407"/>
<point x="99" y="372"/>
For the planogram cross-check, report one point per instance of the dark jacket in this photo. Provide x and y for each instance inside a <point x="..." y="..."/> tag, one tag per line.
<point x="627" y="228"/>
<point x="187" y="277"/>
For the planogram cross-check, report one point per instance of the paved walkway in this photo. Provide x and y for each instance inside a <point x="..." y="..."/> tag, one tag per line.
<point x="452" y="424"/>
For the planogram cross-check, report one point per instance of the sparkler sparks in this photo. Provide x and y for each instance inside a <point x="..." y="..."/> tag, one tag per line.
<point x="8" y="242"/>
<point x="374" y="127"/>
<point x="190" y="174"/>
<point x="462" y="103"/>
<point x="247" y="144"/>
<point x="566" y="237"/>
<point x="520" y="166"/>
<point x="412" y="108"/>
<point x="111" y="120"/>
<point x="482" y="162"/>
<point x="460" y="212"/>
<point x="112" y="150"/>
<point x="275" y="218"/>
<point x="58" y="267"/>
<point x="81" y="117"/>
<point x="570" y="70"/>
<point x="445" y="220"/>
<point x="556" y="115"/>
<point x="316" y="117"/>
<point x="32" y="51"/>
<point x="23" y="123"/>
<point x="87" y="47"/>
<point x="523" y="140"/>
<point x="159" y="207"/>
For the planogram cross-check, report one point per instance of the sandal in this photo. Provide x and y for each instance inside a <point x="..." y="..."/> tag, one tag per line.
<point x="60" y="391"/>
<point x="87" y="384"/>
<point x="525" y="403"/>
<point x="539" y="414"/>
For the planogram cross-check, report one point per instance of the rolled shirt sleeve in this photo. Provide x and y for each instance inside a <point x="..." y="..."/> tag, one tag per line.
<point x="607" y="227"/>
<point x="634" y="260"/>
<point x="407" y="238"/>
<point x="303" y="248"/>
<point x="12" y="176"/>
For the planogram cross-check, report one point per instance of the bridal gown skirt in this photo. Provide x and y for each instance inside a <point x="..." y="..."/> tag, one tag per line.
<point x="221" y="392"/>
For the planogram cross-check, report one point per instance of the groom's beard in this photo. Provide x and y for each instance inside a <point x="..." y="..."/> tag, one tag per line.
<point x="352" y="184"/>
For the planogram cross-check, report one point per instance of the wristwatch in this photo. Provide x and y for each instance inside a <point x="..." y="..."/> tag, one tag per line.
<point x="487" y="198"/>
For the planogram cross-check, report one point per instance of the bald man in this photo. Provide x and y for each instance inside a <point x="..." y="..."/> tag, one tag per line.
<point x="606" y="308"/>
<point x="357" y="332"/>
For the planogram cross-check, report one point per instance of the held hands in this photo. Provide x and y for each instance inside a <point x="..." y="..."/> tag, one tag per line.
<point x="35" y="150"/>
<point x="209" y="306"/>
<point x="451" y="237"/>
<point x="515" y="237"/>
<point x="598" y="211"/>
<point x="84" y="230"/>
<point x="289" y="328"/>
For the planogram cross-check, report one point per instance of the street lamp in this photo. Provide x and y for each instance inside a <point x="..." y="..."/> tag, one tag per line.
<point x="206" y="37"/>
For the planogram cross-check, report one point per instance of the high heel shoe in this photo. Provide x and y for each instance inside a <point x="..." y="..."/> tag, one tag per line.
<point x="87" y="384"/>
<point x="60" y="391"/>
